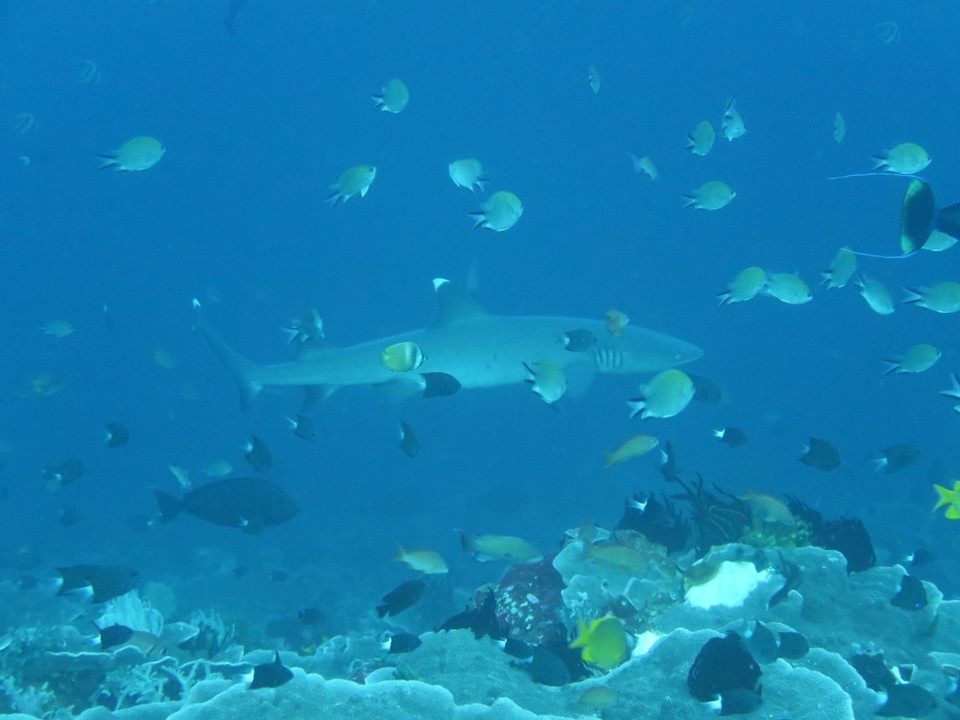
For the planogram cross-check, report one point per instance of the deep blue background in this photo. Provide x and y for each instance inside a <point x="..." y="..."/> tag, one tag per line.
<point x="258" y="124"/>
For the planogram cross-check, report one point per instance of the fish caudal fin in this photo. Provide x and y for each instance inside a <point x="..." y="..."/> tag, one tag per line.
<point x="169" y="505"/>
<point x="243" y="370"/>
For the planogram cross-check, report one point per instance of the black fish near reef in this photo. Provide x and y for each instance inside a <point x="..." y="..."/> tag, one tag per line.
<point x="724" y="667"/>
<point x="258" y="454"/>
<point x="400" y="598"/>
<point x="114" y="635"/>
<point x="98" y="583"/>
<point x="908" y="700"/>
<point x="820" y="454"/>
<point x="246" y="503"/>
<point x="911" y="596"/>
<point x="401" y="643"/>
<point x="271" y="675"/>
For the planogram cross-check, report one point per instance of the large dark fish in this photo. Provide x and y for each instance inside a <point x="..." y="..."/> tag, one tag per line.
<point x="400" y="598"/>
<point x="250" y="504"/>
<point x="98" y="583"/>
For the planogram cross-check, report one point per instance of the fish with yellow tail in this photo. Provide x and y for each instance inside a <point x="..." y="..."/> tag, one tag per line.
<point x="635" y="447"/>
<point x="499" y="547"/>
<point x="428" y="562"/>
<point x="604" y="642"/>
<point x="402" y="356"/>
<point x="949" y="499"/>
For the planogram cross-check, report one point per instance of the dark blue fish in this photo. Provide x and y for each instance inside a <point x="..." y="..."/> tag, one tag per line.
<point x="400" y="598"/>
<point x="401" y="643"/>
<point x="271" y="675"/>
<point x="250" y="504"/>
<point x="98" y="583"/>
<point x="820" y="454"/>
<point x="258" y="454"/>
<point x="408" y="440"/>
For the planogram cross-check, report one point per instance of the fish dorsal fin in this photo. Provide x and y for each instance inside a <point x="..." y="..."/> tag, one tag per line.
<point x="456" y="307"/>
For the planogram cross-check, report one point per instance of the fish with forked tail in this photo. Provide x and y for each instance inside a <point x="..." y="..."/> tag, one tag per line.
<point x="250" y="504"/>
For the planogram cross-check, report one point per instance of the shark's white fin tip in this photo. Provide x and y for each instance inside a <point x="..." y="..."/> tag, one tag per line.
<point x="439" y="282"/>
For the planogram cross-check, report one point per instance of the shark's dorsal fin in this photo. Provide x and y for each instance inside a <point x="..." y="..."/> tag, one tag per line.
<point x="456" y="307"/>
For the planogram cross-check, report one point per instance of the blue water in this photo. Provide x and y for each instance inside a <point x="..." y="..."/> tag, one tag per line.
<point x="258" y="123"/>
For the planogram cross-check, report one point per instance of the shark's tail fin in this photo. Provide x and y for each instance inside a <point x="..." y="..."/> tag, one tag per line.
<point x="244" y="371"/>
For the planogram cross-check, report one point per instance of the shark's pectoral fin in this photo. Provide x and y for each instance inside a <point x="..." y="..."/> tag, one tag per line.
<point x="403" y="387"/>
<point x="438" y="384"/>
<point x="313" y="395"/>
<point x="579" y="378"/>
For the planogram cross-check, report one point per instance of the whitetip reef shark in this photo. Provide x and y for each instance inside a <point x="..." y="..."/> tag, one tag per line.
<point x="465" y="347"/>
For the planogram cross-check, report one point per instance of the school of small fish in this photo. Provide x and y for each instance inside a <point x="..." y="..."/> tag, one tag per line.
<point x="250" y="504"/>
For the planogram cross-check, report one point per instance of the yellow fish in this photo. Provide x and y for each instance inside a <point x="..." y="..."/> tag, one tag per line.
<point x="636" y="446"/>
<point x="616" y="321"/>
<point x="767" y="509"/>
<point x="428" y="562"/>
<point x="598" y="697"/>
<point x="950" y="498"/>
<point x="604" y="642"/>
<point x="500" y="547"/>
<point x="402" y="356"/>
